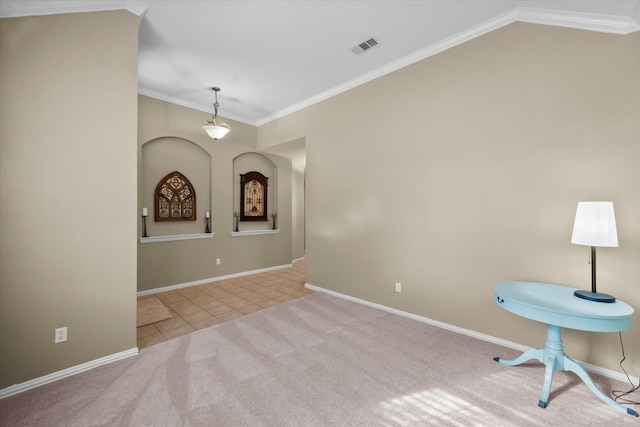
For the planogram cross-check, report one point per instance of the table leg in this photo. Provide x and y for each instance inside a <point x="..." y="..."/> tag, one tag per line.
<point x="573" y="366"/>
<point x="554" y="359"/>
<point x="531" y="354"/>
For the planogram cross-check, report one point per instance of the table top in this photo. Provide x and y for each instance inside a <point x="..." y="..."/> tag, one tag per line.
<point x="556" y="305"/>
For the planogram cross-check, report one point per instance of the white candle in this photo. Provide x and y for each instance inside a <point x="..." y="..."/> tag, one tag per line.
<point x="206" y="215"/>
<point x="144" y="211"/>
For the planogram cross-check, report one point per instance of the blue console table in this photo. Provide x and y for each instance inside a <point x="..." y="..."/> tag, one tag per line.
<point x="556" y="306"/>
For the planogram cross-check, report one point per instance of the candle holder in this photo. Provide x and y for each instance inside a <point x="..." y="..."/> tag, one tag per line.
<point x="144" y="226"/>
<point x="207" y="229"/>
<point x="274" y="216"/>
<point x="236" y="215"/>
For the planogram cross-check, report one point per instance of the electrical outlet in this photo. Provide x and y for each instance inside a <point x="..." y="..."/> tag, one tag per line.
<point x="60" y="335"/>
<point x="398" y="287"/>
<point x="217" y="261"/>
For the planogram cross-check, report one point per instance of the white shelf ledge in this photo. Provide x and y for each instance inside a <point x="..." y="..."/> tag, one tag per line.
<point x="154" y="239"/>
<point x="254" y="232"/>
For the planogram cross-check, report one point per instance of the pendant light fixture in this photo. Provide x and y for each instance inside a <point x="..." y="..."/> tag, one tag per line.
<point x="215" y="127"/>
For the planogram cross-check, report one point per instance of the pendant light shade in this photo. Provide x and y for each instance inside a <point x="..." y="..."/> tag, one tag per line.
<point x="215" y="127"/>
<point x="216" y="130"/>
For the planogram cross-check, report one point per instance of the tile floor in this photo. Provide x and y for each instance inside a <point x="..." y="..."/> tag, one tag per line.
<point x="201" y="306"/>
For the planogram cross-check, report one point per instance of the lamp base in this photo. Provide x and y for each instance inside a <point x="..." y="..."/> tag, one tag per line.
<point x="594" y="296"/>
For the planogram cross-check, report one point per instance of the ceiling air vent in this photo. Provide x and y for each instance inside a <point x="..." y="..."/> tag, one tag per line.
<point x="364" y="46"/>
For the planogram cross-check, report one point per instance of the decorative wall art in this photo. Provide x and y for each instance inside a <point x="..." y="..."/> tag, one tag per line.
<point x="175" y="199"/>
<point x="253" y="197"/>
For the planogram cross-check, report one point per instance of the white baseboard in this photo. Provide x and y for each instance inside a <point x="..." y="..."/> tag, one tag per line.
<point x="509" y="344"/>
<point x="37" y="382"/>
<point x="212" y="279"/>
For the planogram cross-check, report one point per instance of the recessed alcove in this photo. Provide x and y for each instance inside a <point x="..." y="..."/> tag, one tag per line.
<point x="162" y="156"/>
<point x="258" y="166"/>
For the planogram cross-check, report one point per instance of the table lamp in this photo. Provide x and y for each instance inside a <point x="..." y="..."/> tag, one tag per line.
<point x="595" y="225"/>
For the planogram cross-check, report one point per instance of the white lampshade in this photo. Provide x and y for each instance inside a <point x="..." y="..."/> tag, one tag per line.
<point x="216" y="131"/>
<point x="595" y="225"/>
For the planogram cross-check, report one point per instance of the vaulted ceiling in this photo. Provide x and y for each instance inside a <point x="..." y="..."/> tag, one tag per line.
<point x="273" y="57"/>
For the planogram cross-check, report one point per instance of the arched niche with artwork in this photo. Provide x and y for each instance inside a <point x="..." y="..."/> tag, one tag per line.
<point x="184" y="168"/>
<point x="255" y="192"/>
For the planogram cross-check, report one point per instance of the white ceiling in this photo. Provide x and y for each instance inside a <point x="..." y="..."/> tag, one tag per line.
<point x="273" y="57"/>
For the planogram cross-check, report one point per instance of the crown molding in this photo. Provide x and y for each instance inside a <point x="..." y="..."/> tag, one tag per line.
<point x="16" y="9"/>
<point x="582" y="21"/>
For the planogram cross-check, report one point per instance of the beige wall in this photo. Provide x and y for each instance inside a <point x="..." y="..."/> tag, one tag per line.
<point x="298" y="202"/>
<point x="68" y="87"/>
<point x="164" y="264"/>
<point x="464" y="169"/>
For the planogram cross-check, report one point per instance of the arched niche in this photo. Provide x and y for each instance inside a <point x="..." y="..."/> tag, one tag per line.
<point x="162" y="156"/>
<point x="244" y="165"/>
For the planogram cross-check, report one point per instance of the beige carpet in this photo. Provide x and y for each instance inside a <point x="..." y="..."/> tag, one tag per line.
<point x="315" y="361"/>
<point x="151" y="310"/>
